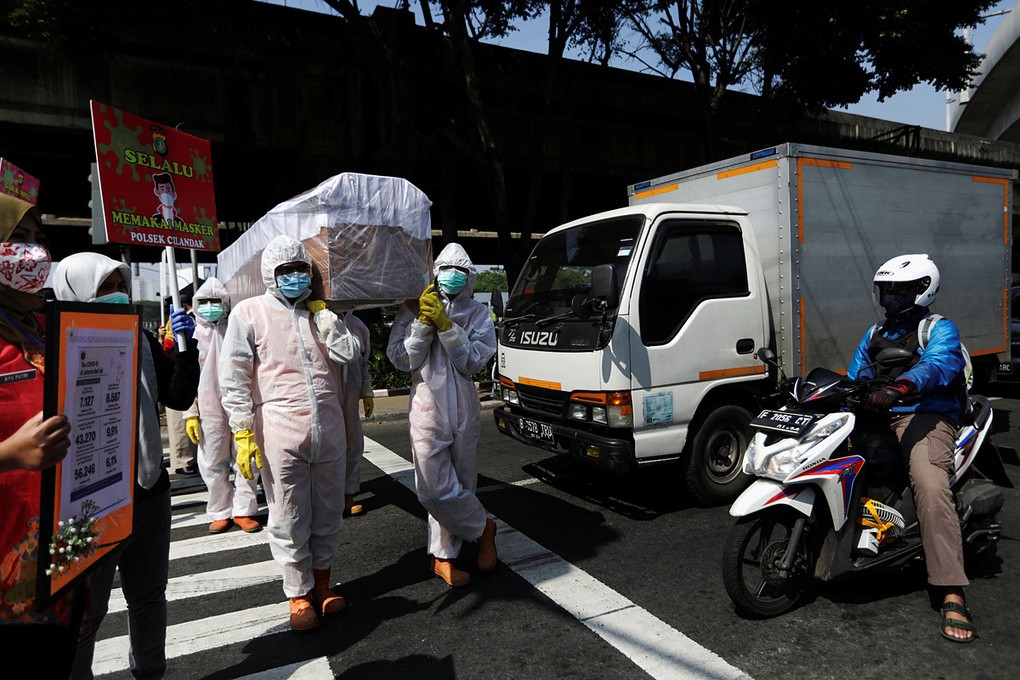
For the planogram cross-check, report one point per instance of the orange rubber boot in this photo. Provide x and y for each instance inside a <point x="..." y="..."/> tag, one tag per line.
<point x="327" y="601"/>
<point x="302" y="615"/>
<point x="445" y="570"/>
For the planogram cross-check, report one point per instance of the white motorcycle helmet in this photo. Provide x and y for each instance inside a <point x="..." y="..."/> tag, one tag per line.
<point x="904" y="282"/>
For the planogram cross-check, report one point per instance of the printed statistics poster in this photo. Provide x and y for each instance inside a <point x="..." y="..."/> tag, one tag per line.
<point x="155" y="182"/>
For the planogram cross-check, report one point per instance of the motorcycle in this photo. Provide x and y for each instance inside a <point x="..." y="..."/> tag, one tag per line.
<point x="832" y="498"/>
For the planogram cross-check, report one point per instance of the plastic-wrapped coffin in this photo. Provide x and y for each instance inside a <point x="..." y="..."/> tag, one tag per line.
<point x="370" y="239"/>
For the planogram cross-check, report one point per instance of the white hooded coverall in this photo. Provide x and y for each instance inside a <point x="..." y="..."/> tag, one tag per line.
<point x="445" y="412"/>
<point x="357" y="384"/>
<point x="280" y="372"/>
<point x="216" y="453"/>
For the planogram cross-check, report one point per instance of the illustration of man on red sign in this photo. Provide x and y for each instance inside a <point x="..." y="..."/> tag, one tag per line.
<point x="163" y="187"/>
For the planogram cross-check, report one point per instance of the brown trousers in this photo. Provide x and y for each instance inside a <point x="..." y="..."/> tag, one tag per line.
<point x="930" y="440"/>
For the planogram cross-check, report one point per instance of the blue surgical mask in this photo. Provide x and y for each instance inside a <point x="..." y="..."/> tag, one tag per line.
<point x="452" y="281"/>
<point x="293" y="285"/>
<point x="210" y="312"/>
<point x="113" y="299"/>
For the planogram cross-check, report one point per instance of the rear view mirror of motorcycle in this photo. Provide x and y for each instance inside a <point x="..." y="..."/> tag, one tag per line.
<point x="894" y="357"/>
<point x="765" y="355"/>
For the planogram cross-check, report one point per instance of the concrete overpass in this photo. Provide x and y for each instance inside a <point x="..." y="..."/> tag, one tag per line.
<point x="991" y="107"/>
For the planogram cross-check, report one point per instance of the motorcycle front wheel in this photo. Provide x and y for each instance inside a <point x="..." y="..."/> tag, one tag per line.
<point x="752" y="562"/>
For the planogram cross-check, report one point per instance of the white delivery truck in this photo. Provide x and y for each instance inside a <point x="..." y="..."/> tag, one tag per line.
<point x="630" y="336"/>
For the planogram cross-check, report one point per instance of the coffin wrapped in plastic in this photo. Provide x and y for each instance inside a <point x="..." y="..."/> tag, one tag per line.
<point x="370" y="239"/>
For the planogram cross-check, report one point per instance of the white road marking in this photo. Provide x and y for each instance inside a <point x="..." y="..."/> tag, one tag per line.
<point x="209" y="582"/>
<point x="316" y="669"/>
<point x="660" y="650"/>
<point x="201" y="635"/>
<point x="214" y="543"/>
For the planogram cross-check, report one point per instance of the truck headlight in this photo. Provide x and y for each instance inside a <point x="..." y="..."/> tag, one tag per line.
<point x="608" y="408"/>
<point x="508" y="390"/>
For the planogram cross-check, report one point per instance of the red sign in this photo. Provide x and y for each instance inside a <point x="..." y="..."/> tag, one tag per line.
<point x="156" y="182"/>
<point x="17" y="183"/>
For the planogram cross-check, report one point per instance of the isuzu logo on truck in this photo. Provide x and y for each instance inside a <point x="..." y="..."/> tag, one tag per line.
<point x="540" y="338"/>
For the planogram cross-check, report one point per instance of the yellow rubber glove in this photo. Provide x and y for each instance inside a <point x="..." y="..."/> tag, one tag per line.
<point x="424" y="300"/>
<point x="191" y="427"/>
<point x="246" y="450"/>
<point x="369" y="404"/>
<point x="437" y="313"/>
<point x="315" y="306"/>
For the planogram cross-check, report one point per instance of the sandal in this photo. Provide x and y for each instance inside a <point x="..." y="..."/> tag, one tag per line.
<point x="956" y="623"/>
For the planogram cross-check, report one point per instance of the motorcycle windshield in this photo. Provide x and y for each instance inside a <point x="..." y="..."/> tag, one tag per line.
<point x="821" y="383"/>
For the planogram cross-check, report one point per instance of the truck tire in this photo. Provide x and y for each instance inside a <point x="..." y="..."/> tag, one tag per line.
<point x="715" y="456"/>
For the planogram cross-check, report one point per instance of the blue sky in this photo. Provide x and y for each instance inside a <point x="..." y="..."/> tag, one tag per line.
<point x="922" y="106"/>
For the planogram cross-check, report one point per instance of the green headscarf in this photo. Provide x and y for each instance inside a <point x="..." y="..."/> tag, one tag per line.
<point x="17" y="322"/>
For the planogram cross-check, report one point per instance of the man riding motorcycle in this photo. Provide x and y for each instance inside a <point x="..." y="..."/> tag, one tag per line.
<point x="925" y="402"/>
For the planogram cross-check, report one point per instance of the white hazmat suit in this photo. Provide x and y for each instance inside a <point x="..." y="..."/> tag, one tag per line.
<point x="357" y="384"/>
<point x="280" y="372"/>
<point x="216" y="456"/>
<point x="445" y="412"/>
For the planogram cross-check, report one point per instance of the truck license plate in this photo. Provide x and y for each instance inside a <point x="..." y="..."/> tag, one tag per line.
<point x="536" y="430"/>
<point x="784" y="422"/>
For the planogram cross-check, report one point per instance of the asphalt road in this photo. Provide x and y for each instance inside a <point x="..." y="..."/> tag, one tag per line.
<point x="639" y="540"/>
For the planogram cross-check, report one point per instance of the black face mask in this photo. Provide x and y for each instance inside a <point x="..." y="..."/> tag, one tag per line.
<point x="896" y="303"/>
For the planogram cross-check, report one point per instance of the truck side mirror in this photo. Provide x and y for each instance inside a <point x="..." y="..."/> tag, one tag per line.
<point x="603" y="285"/>
<point x="496" y="302"/>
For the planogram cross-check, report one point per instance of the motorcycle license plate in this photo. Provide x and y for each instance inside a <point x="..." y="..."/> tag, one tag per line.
<point x="536" y="430"/>
<point x="784" y="422"/>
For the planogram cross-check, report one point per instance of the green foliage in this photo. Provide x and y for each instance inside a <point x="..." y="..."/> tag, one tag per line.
<point x="65" y="26"/>
<point x="490" y="279"/>
<point x="811" y="55"/>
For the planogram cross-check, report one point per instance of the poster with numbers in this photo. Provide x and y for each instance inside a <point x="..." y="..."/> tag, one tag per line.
<point x="87" y="502"/>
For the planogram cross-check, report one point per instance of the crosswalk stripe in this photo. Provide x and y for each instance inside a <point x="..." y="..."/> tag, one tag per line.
<point x="316" y="669"/>
<point x="660" y="650"/>
<point x="214" y="543"/>
<point x="210" y="582"/>
<point x="201" y="635"/>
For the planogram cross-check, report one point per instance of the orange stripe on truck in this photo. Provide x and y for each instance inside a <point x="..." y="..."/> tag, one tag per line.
<point x="746" y="169"/>
<point x="731" y="372"/>
<point x="659" y="190"/>
<point x="540" y="383"/>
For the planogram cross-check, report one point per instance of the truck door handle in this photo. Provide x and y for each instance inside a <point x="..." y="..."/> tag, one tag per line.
<point x="745" y="345"/>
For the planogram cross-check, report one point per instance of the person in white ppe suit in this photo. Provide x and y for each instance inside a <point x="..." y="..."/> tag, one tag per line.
<point x="279" y="371"/>
<point x="357" y="385"/>
<point x="144" y="560"/>
<point x="207" y="424"/>
<point x="442" y="341"/>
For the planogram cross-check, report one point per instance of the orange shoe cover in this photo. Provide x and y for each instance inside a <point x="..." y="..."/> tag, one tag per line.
<point x="249" y="525"/>
<point x="302" y="615"/>
<point x="351" y="508"/>
<point x="327" y="601"/>
<point x="445" y="570"/>
<point x="487" y="547"/>
<point x="219" y="526"/>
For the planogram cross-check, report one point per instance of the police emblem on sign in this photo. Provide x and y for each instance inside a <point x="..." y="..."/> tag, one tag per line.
<point x="159" y="140"/>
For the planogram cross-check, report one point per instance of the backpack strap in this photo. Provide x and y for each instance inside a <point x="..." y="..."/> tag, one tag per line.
<point x="924" y="329"/>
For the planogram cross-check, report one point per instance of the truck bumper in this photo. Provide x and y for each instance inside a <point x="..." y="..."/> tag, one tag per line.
<point x="607" y="453"/>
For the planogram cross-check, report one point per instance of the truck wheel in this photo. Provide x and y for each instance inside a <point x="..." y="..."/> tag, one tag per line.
<point x="716" y="454"/>
<point x="752" y="562"/>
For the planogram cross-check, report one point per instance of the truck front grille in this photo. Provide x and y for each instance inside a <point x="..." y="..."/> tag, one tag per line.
<point x="542" y="400"/>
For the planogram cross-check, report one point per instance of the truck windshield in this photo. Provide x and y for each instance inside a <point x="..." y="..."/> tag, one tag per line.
<point x="561" y="264"/>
